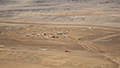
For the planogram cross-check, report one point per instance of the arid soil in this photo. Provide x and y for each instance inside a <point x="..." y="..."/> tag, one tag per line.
<point x="59" y="34"/>
<point x="44" y="45"/>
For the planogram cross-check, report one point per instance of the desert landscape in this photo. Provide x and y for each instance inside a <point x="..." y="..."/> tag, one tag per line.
<point x="59" y="34"/>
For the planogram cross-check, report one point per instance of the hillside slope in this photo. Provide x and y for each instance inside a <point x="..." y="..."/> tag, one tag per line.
<point x="61" y="11"/>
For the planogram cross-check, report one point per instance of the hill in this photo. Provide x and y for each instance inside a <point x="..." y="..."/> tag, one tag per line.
<point x="92" y="12"/>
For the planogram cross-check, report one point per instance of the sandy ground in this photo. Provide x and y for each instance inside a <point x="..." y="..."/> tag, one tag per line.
<point x="59" y="34"/>
<point x="26" y="46"/>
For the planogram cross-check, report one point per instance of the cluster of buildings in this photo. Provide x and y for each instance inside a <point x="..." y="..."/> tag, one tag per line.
<point x="48" y="33"/>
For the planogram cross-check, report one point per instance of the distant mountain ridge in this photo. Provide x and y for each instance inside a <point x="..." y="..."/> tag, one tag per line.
<point x="41" y="1"/>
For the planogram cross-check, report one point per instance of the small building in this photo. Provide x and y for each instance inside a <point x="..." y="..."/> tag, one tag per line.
<point x="45" y="34"/>
<point x="60" y="30"/>
<point x="46" y="37"/>
<point x="69" y="30"/>
<point x="49" y="34"/>
<point x="89" y="28"/>
<point x="43" y="49"/>
<point x="57" y="37"/>
<point x="53" y="37"/>
<point x="42" y="34"/>
<point x="59" y="33"/>
<point x="38" y="34"/>
<point x="79" y="39"/>
<point x="82" y="27"/>
<point x="27" y="35"/>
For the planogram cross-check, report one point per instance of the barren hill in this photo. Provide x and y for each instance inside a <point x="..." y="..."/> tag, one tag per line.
<point x="92" y="12"/>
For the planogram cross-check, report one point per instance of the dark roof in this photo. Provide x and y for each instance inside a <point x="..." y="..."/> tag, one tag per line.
<point x="59" y="33"/>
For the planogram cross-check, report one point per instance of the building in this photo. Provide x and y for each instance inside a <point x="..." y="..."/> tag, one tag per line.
<point x="59" y="33"/>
